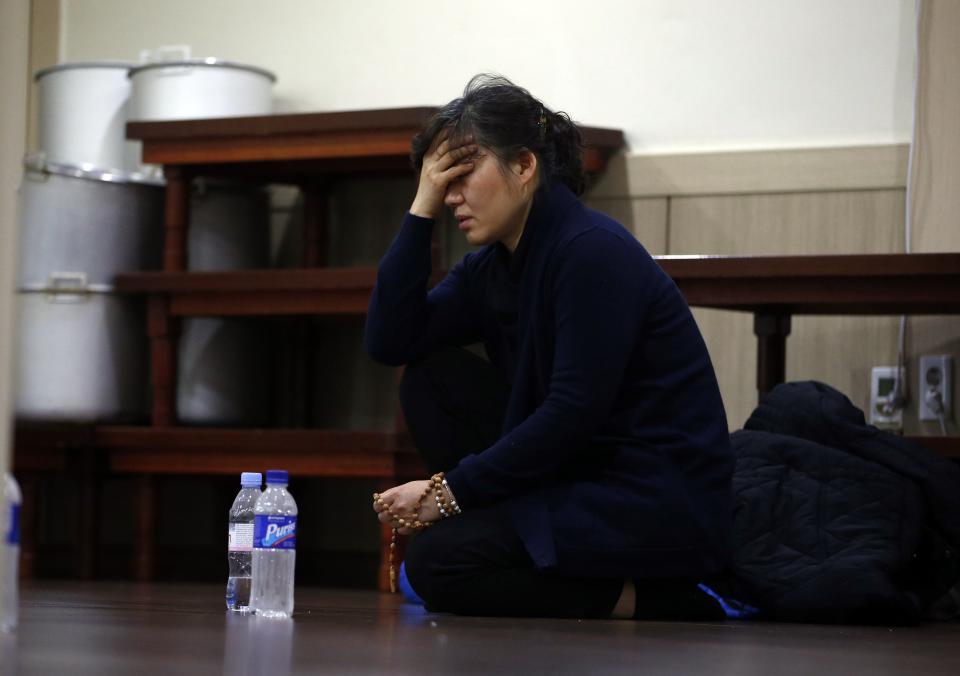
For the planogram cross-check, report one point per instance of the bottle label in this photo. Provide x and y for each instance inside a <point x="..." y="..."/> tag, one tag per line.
<point x="272" y="531"/>
<point x="13" y="534"/>
<point x="240" y="537"/>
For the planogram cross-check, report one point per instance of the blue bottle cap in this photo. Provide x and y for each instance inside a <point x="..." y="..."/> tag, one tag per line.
<point x="277" y="476"/>
<point x="251" y="479"/>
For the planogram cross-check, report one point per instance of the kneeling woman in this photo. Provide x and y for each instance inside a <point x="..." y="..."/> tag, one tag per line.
<point x="587" y="465"/>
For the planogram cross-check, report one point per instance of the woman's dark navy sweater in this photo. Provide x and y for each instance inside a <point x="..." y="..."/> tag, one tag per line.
<point x="614" y="459"/>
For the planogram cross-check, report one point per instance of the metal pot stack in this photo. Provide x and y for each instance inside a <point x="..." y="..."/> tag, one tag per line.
<point x="85" y="215"/>
<point x="89" y="209"/>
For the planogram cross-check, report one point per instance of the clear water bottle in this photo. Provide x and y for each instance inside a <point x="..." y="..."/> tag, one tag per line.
<point x="10" y="531"/>
<point x="240" y="542"/>
<point x="274" y="548"/>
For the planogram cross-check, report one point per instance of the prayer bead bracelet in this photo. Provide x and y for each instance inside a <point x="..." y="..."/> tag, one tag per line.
<point x="453" y="500"/>
<point x="447" y="507"/>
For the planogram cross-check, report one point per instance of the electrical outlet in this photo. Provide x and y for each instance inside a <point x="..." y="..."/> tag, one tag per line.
<point x="936" y="385"/>
<point x="884" y="411"/>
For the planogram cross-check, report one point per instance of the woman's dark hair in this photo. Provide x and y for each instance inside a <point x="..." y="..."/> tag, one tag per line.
<point x="506" y="119"/>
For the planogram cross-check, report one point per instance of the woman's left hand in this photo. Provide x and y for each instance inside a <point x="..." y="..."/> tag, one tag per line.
<point x="402" y="501"/>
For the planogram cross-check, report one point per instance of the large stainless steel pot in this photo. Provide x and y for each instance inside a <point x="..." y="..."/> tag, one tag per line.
<point x="80" y="353"/>
<point x="89" y="222"/>
<point x="229" y="226"/>
<point x="199" y="88"/>
<point x="221" y="373"/>
<point x="82" y="112"/>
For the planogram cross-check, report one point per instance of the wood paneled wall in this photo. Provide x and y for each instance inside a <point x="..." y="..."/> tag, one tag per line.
<point x="935" y="202"/>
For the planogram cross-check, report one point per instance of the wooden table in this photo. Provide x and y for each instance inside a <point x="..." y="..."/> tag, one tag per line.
<point x="774" y="288"/>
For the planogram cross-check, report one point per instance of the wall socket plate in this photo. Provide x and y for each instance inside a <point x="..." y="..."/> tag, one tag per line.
<point x="883" y="384"/>
<point x="936" y="377"/>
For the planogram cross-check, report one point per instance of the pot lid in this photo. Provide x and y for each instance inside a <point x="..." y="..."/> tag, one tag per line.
<point x="36" y="163"/>
<point x="208" y="62"/>
<point x="50" y="289"/>
<point x="83" y="65"/>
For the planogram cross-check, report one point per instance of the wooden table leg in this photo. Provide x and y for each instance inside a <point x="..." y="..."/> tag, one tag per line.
<point x="772" y="331"/>
<point x="145" y="533"/>
<point x="163" y="331"/>
<point x="161" y="328"/>
<point x="314" y="225"/>
<point x="314" y="254"/>
<point x="176" y="217"/>
<point x="88" y="521"/>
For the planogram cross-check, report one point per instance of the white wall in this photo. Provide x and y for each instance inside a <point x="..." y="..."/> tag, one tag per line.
<point x="676" y="75"/>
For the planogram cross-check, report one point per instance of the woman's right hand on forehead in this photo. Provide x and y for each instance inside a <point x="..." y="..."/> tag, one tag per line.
<point x="444" y="162"/>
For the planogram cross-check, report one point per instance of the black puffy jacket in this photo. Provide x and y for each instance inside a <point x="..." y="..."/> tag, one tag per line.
<point x="837" y="521"/>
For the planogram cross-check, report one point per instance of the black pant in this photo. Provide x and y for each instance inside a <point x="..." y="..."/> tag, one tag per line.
<point x="476" y="563"/>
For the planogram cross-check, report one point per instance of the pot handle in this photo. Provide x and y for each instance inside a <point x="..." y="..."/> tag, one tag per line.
<point x="36" y="168"/>
<point x="171" y="53"/>
<point x="165" y="53"/>
<point x="67" y="287"/>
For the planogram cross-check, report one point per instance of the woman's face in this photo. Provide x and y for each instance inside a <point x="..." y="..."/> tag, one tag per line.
<point x="491" y="202"/>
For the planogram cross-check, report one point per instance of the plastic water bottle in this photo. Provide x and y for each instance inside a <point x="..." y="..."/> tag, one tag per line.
<point x="240" y="542"/>
<point x="10" y="532"/>
<point x="274" y="548"/>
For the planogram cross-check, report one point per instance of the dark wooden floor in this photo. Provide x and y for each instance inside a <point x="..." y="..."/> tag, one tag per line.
<point x="101" y="628"/>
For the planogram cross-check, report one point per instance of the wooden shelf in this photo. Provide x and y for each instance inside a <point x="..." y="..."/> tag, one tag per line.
<point x="220" y="451"/>
<point x="39" y="447"/>
<point x="320" y="291"/>
<point x="301" y="146"/>
<point x="197" y="450"/>
<point x="314" y="453"/>
<point x="849" y="285"/>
